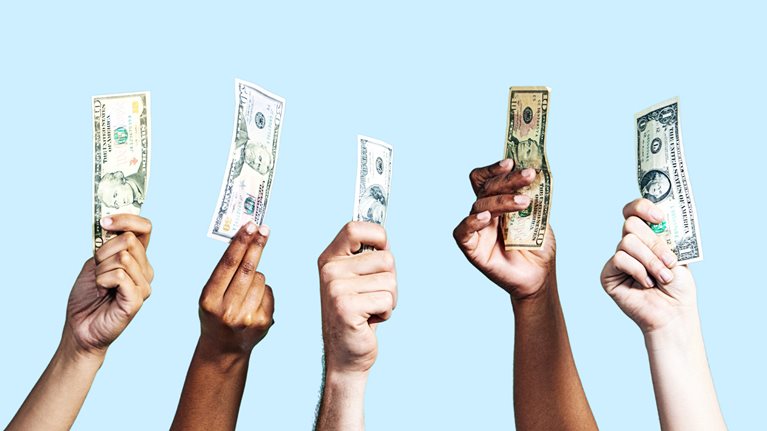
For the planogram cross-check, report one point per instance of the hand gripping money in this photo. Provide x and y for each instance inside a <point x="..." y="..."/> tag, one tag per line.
<point x="542" y="400"/>
<point x="651" y="287"/>
<point x="106" y="296"/>
<point x="357" y="292"/>
<point x="236" y="309"/>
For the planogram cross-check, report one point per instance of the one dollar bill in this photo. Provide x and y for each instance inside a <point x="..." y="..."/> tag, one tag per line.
<point x="526" y="145"/>
<point x="121" y="150"/>
<point x="371" y="193"/>
<point x="662" y="176"/>
<point x="249" y="172"/>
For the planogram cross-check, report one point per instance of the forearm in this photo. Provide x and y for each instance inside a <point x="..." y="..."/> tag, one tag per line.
<point x="684" y="389"/>
<point x="342" y="407"/>
<point x="547" y="390"/>
<point x="212" y="391"/>
<point x="58" y="396"/>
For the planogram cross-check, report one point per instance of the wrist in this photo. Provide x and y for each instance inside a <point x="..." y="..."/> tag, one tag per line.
<point x="680" y="333"/>
<point x="225" y="360"/>
<point x="70" y="352"/>
<point x="543" y="299"/>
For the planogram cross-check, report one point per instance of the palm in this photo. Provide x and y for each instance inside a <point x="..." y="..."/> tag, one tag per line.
<point x="651" y="308"/>
<point x="520" y="272"/>
<point x="95" y="315"/>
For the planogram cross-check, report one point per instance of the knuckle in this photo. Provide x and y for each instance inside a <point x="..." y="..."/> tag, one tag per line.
<point x="207" y="304"/>
<point x="247" y="267"/>
<point x="148" y="225"/>
<point x="124" y="258"/>
<point x="229" y="262"/>
<point x="260" y="277"/>
<point x="387" y="259"/>
<point x="229" y="318"/>
<point x="328" y="271"/>
<point x="474" y="175"/>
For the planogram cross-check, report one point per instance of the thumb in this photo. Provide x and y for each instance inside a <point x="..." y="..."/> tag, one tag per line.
<point x="466" y="233"/>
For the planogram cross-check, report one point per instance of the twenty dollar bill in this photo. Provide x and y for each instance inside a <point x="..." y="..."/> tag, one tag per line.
<point x="371" y="196"/>
<point x="121" y="149"/>
<point x="526" y="145"/>
<point x="249" y="172"/>
<point x="662" y="175"/>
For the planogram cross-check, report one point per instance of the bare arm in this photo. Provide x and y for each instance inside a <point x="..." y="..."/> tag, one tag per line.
<point x="107" y="294"/>
<point x="659" y="295"/>
<point x="357" y="291"/>
<point x="547" y="390"/>
<point x="236" y="308"/>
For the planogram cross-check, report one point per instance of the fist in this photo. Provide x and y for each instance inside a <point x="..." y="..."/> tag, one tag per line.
<point x="236" y="305"/>
<point x="357" y="291"/>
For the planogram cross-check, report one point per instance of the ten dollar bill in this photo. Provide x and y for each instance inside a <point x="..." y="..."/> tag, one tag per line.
<point x="526" y="145"/>
<point x="121" y="149"/>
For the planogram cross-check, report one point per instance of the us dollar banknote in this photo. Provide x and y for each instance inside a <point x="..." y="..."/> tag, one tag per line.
<point x="526" y="145"/>
<point x="121" y="150"/>
<point x="253" y="152"/>
<point x="663" y="179"/>
<point x="371" y="192"/>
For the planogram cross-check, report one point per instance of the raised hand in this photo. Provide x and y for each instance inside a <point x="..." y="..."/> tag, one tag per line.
<point x="107" y="294"/>
<point x="111" y="287"/>
<point x="236" y="309"/>
<point x="543" y="400"/>
<point x="357" y="292"/>
<point x="643" y="276"/>
<point x="647" y="283"/>
<point x="521" y="273"/>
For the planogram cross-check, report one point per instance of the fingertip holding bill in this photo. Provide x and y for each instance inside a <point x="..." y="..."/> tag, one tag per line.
<point x="106" y="222"/>
<point x="506" y="163"/>
<point x="483" y="216"/>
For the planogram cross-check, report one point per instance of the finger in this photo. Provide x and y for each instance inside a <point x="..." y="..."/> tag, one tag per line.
<point x="478" y="176"/>
<point x="248" y="269"/>
<point x="140" y="226"/>
<point x="623" y="263"/>
<point x="645" y="210"/>
<point x="352" y="237"/>
<point x="632" y="245"/>
<point x="466" y="234"/>
<point x="636" y="226"/>
<point x="127" y="293"/>
<point x="359" y="264"/>
<point x="267" y="304"/>
<point x="500" y="204"/>
<point x="379" y="304"/>
<point x="130" y="242"/>
<point x="507" y="184"/>
<point x="125" y="261"/>
<point x="230" y="262"/>
<point x="383" y="282"/>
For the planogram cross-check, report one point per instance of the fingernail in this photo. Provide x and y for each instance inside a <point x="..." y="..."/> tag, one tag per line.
<point x="649" y="282"/>
<point x="263" y="230"/>
<point x="483" y="216"/>
<point x="656" y="214"/>
<point x="506" y="163"/>
<point x="668" y="258"/>
<point x="528" y="173"/>
<point x="520" y="199"/>
<point x="666" y="276"/>
<point x="250" y="228"/>
<point x="106" y="221"/>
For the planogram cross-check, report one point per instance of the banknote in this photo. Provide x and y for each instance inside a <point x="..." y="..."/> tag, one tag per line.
<point x="371" y="192"/>
<point x="249" y="171"/>
<point x="121" y="150"/>
<point x="663" y="179"/>
<point x="526" y="145"/>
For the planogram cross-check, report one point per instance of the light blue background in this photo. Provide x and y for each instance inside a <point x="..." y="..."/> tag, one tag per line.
<point x="432" y="81"/>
